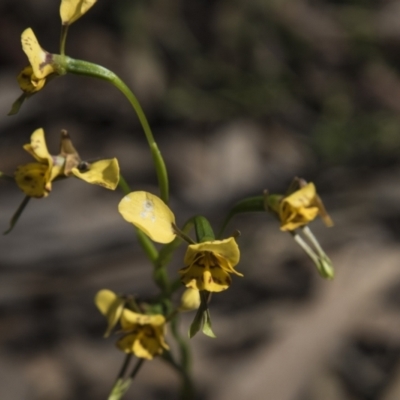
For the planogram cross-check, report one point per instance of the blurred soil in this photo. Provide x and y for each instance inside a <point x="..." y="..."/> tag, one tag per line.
<point x="242" y="96"/>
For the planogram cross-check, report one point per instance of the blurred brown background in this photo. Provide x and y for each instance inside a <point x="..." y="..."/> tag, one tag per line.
<point x="242" y="96"/>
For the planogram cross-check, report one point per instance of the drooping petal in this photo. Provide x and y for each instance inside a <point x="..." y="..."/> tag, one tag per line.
<point x="32" y="179"/>
<point x="227" y="249"/>
<point x="103" y="173"/>
<point x="150" y="214"/>
<point x="111" y="306"/>
<point x="71" y="10"/>
<point x="40" y="60"/>
<point x="130" y="318"/>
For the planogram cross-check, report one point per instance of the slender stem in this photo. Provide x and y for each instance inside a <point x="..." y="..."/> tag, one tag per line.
<point x="63" y="38"/>
<point x="80" y="67"/>
<point x="182" y="235"/>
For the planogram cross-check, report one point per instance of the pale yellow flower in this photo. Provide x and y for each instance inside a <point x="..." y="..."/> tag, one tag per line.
<point x="300" y="208"/>
<point x="144" y="334"/>
<point x="208" y="265"/>
<point x="34" y="179"/>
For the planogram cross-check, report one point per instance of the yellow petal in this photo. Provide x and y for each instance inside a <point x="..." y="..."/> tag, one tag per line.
<point x="130" y="318"/>
<point x="37" y="147"/>
<point x="147" y="345"/>
<point x="190" y="300"/>
<point x="126" y="343"/>
<point x="40" y="60"/>
<point x="199" y="279"/>
<point x="28" y="82"/>
<point x="32" y="179"/>
<point x="150" y="214"/>
<point x="303" y="197"/>
<point x="104" y="173"/>
<point x="71" y="10"/>
<point x="111" y="306"/>
<point x="227" y="249"/>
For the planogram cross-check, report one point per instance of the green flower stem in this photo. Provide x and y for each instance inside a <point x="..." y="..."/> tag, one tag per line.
<point x="85" y="68"/>
<point x="63" y="38"/>
<point x="182" y="235"/>
<point x="145" y="242"/>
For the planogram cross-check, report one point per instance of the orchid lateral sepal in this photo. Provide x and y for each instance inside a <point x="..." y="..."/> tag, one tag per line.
<point x="202" y="319"/>
<point x="17" y="214"/>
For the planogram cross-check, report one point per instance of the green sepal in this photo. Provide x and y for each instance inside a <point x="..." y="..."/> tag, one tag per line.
<point x="195" y="326"/>
<point x="250" y="204"/>
<point x="17" y="214"/>
<point x="203" y="229"/>
<point x="202" y="319"/>
<point x="207" y="328"/>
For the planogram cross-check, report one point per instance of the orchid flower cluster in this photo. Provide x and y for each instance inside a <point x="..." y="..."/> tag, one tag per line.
<point x="209" y="262"/>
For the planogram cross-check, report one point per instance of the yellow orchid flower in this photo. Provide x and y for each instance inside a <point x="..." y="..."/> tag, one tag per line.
<point x="33" y="78"/>
<point x="300" y="208"/>
<point x="144" y="334"/>
<point x="34" y="179"/>
<point x="71" y="10"/>
<point x="208" y="265"/>
<point x="111" y="306"/>
<point x="150" y="214"/>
